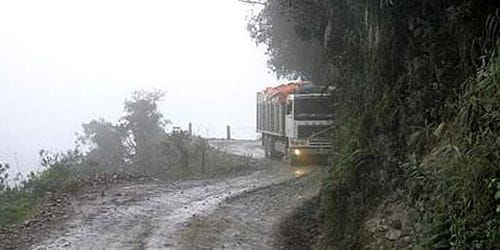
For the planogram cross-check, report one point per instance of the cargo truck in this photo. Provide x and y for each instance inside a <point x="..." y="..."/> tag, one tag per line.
<point x="293" y="120"/>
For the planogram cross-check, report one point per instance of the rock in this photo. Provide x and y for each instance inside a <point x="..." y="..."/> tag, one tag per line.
<point x="406" y="241"/>
<point x="372" y="225"/>
<point x="383" y="228"/>
<point x="393" y="234"/>
<point x="418" y="227"/>
<point x="396" y="223"/>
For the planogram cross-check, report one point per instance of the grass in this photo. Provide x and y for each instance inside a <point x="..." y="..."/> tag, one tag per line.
<point x="61" y="174"/>
<point x="15" y="206"/>
<point x="456" y="184"/>
<point x="20" y="202"/>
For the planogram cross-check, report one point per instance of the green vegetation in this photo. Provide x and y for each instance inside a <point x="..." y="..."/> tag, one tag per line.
<point x="137" y="145"/>
<point x="20" y="201"/>
<point x="457" y="180"/>
<point x="417" y="106"/>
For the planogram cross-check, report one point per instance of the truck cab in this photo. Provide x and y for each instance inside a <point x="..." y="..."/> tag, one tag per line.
<point x="308" y="115"/>
<point x="293" y="119"/>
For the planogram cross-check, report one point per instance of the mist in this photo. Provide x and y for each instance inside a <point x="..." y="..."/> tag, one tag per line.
<point x="63" y="63"/>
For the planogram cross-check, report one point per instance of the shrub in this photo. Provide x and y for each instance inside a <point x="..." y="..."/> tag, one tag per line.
<point x="456" y="185"/>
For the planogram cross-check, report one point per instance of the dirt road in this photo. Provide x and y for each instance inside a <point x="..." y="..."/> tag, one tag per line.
<point x="229" y="212"/>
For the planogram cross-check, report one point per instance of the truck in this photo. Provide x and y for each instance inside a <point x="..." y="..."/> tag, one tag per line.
<point x="293" y="120"/>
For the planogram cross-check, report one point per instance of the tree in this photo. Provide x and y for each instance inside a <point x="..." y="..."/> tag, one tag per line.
<point x="106" y="142"/>
<point x="143" y="125"/>
<point x="293" y="32"/>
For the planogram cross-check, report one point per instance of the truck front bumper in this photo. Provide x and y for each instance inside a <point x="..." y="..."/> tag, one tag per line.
<point x="304" y="151"/>
<point x="310" y="147"/>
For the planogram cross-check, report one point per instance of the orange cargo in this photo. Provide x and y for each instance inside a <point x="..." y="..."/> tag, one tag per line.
<point x="282" y="91"/>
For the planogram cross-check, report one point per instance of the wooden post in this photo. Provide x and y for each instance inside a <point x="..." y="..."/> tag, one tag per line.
<point x="190" y="129"/>
<point x="203" y="150"/>
<point x="228" y="130"/>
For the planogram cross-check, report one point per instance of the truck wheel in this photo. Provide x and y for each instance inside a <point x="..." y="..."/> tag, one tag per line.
<point x="272" y="154"/>
<point x="267" y="148"/>
<point x="272" y="150"/>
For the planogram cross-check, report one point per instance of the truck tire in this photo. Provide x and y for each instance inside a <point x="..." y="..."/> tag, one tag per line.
<point x="272" y="150"/>
<point x="267" y="146"/>
<point x="269" y="150"/>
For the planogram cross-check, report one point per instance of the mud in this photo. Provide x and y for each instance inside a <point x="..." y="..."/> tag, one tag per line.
<point x="251" y="220"/>
<point x="231" y="212"/>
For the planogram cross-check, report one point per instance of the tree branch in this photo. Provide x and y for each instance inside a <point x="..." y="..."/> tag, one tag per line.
<point x="263" y="2"/>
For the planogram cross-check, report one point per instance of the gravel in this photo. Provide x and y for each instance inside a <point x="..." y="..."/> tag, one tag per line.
<point x="135" y="212"/>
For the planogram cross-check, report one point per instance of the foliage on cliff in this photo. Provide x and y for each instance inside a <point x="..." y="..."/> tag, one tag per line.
<point x="416" y="101"/>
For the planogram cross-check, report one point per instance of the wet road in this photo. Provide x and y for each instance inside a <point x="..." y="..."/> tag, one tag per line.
<point x="229" y="212"/>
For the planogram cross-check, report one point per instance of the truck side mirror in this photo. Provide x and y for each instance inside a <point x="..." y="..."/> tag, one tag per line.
<point x="288" y="108"/>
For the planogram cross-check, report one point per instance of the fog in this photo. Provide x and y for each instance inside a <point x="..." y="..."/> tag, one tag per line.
<point x="63" y="63"/>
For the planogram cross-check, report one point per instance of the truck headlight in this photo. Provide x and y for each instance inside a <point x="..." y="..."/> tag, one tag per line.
<point x="296" y="152"/>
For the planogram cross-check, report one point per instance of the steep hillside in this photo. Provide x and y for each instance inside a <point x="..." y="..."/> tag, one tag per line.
<point x="417" y="107"/>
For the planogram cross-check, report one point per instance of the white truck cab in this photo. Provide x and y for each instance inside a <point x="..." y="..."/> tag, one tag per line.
<point x="292" y="119"/>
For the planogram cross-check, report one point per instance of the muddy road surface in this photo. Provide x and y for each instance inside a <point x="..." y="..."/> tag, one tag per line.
<point x="226" y="212"/>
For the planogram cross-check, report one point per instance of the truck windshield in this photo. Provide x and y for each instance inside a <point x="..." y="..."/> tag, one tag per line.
<point x="313" y="108"/>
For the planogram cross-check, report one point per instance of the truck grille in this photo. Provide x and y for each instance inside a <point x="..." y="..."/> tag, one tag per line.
<point x="305" y="131"/>
<point x="325" y="144"/>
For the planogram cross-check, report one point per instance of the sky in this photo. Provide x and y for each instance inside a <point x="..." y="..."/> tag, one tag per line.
<point x="64" y="63"/>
